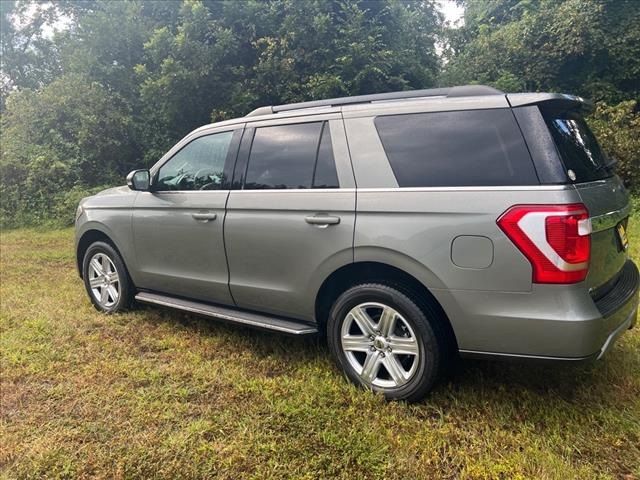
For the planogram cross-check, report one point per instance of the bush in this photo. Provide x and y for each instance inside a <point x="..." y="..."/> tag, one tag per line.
<point x="66" y="203"/>
<point x="618" y="130"/>
<point x="60" y="209"/>
<point x="66" y="138"/>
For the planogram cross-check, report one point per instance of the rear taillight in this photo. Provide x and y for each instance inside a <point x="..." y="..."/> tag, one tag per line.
<point x="556" y="239"/>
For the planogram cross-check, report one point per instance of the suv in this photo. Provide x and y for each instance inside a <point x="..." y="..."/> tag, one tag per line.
<point x="406" y="227"/>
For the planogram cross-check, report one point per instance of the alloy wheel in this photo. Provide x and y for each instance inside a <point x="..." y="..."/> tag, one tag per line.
<point x="104" y="280"/>
<point x="380" y="345"/>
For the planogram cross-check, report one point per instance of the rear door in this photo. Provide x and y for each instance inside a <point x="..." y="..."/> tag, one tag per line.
<point x="178" y="227"/>
<point x="291" y="213"/>
<point x="599" y="188"/>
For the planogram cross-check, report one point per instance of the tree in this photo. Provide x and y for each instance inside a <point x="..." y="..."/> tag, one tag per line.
<point x="127" y="79"/>
<point x="72" y="133"/>
<point x="585" y="47"/>
<point x="223" y="59"/>
<point x="29" y="59"/>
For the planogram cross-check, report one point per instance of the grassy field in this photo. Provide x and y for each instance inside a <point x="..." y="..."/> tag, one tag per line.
<point x="160" y="394"/>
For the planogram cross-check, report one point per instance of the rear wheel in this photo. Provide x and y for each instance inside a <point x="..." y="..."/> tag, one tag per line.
<point x="384" y="341"/>
<point x="106" y="279"/>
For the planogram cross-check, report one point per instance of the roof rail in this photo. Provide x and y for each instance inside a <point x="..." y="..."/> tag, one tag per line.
<point x="462" y="91"/>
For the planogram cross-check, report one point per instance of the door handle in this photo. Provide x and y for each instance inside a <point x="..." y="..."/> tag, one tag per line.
<point x="204" y="217"/>
<point x="322" y="220"/>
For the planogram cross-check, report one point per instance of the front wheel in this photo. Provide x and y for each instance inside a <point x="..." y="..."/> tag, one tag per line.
<point x="106" y="279"/>
<point x="384" y="342"/>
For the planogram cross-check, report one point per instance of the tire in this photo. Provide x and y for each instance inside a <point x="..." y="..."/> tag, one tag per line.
<point x="393" y="348"/>
<point x="107" y="282"/>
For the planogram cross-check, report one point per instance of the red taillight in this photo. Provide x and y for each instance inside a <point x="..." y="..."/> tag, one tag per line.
<point x="556" y="239"/>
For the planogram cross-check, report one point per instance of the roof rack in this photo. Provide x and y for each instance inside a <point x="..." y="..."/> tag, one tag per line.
<point x="462" y="91"/>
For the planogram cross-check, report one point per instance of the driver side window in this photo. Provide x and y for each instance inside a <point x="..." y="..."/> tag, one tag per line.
<point x="198" y="166"/>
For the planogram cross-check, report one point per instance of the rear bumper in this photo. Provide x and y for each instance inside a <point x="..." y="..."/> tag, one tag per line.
<point x="552" y="322"/>
<point x="619" y="305"/>
<point x="628" y="323"/>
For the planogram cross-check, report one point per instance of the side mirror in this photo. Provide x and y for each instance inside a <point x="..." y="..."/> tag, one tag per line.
<point x="139" y="180"/>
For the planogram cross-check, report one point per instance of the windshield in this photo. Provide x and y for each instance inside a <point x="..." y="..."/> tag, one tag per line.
<point x="578" y="147"/>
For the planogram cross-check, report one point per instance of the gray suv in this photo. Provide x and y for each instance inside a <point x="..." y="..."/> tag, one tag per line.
<point x="406" y="227"/>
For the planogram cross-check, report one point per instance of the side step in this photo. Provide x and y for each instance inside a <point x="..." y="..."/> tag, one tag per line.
<point x="256" y="320"/>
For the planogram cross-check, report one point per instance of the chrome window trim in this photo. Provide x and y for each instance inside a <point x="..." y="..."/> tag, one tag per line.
<point x="163" y="192"/>
<point x="419" y="189"/>
<point x="294" y="190"/>
<point x="500" y="188"/>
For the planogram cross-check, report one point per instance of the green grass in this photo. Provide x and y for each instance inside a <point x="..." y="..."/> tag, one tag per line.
<point x="156" y="393"/>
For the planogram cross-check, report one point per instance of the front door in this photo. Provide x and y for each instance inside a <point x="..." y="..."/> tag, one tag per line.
<point x="178" y="226"/>
<point x="289" y="222"/>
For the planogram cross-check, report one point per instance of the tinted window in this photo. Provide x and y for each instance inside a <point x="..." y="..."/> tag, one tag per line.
<point x="325" y="175"/>
<point x="283" y="156"/>
<point x="198" y="166"/>
<point x="462" y="148"/>
<point x="578" y="148"/>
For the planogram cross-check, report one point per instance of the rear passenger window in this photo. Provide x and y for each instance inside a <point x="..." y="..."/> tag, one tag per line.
<point x="291" y="156"/>
<point x="460" y="148"/>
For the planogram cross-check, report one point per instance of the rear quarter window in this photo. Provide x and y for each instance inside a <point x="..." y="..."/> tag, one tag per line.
<point x="460" y="148"/>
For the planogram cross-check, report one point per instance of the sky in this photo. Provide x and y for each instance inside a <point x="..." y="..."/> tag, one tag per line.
<point x="451" y="11"/>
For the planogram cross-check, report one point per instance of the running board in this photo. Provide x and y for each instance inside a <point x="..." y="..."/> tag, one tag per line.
<point x="256" y="320"/>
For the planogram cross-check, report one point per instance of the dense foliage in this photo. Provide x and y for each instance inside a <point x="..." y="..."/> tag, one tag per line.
<point x="584" y="47"/>
<point x="618" y="130"/>
<point x="126" y="80"/>
<point x="122" y="81"/>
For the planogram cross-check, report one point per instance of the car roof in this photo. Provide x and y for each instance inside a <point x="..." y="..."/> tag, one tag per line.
<point x="479" y="95"/>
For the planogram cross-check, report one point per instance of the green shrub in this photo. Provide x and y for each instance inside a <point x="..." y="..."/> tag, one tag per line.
<point x="618" y="130"/>
<point x="58" y="210"/>
<point x="66" y="203"/>
<point x="66" y="138"/>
